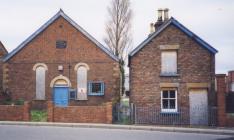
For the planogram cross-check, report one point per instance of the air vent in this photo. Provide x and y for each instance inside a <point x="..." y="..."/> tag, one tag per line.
<point x="61" y="44"/>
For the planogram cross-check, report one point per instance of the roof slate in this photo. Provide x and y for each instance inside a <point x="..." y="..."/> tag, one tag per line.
<point x="181" y="27"/>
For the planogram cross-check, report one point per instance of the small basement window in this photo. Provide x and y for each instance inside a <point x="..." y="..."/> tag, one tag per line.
<point x="61" y="44"/>
<point x="96" y="88"/>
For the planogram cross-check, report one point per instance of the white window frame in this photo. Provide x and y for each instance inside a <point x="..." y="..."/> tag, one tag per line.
<point x="165" y="69"/>
<point x="102" y="91"/>
<point x="176" y="100"/>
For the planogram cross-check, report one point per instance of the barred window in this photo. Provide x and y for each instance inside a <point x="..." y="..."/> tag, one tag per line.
<point x="96" y="88"/>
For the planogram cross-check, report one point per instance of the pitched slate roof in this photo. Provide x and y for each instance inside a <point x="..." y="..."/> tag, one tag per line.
<point x="174" y="22"/>
<point x="43" y="27"/>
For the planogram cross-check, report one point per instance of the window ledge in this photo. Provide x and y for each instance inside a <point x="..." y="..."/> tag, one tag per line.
<point x="81" y="99"/>
<point x="96" y="94"/>
<point x="39" y="100"/>
<point x="175" y="113"/>
<point x="169" y="75"/>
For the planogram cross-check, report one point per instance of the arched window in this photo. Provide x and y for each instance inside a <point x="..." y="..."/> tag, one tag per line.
<point x="40" y="80"/>
<point x="82" y="83"/>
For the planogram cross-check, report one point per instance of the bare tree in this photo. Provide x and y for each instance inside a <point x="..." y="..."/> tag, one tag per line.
<point x="118" y="31"/>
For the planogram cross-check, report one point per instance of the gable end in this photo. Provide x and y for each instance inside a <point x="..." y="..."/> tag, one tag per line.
<point x="178" y="25"/>
<point x="49" y="22"/>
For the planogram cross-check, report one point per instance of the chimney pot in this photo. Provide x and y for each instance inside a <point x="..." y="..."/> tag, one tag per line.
<point x="166" y="17"/>
<point x="152" y="28"/>
<point x="160" y="12"/>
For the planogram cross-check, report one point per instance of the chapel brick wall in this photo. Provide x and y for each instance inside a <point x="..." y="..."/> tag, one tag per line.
<point x="19" y="77"/>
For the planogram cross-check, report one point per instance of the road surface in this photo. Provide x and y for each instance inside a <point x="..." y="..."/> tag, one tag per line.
<point x="13" y="132"/>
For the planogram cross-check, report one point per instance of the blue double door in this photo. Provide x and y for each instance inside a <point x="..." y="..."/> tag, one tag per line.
<point x="61" y="96"/>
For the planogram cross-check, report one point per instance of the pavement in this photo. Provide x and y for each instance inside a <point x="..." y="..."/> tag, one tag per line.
<point x="215" y="130"/>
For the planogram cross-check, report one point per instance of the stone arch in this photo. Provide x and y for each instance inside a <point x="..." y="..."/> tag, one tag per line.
<point x="38" y="65"/>
<point x="81" y="64"/>
<point x="60" y="79"/>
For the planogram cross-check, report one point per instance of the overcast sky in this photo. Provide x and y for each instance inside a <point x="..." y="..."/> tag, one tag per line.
<point x="212" y="20"/>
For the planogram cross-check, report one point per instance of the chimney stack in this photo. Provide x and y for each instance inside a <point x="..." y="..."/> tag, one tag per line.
<point x="162" y="17"/>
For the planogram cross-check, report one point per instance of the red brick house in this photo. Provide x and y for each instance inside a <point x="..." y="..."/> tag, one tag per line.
<point x="3" y="53"/>
<point x="63" y="63"/>
<point x="172" y="73"/>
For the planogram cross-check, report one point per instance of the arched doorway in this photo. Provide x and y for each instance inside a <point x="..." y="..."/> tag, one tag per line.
<point x="60" y="85"/>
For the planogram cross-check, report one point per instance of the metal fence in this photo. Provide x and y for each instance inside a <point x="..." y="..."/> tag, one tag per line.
<point x="183" y="116"/>
<point x="150" y="114"/>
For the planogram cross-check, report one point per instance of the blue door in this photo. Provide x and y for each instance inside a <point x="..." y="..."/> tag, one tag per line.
<point x="61" y="96"/>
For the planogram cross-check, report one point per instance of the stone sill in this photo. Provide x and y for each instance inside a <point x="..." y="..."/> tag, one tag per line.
<point x="81" y="99"/>
<point x="169" y="75"/>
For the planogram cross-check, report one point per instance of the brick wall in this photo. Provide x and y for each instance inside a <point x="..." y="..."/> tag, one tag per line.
<point x="15" y="112"/>
<point x="221" y="91"/>
<point x="224" y="118"/>
<point x="80" y="114"/>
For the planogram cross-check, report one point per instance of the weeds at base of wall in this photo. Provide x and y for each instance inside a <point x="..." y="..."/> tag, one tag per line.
<point x="38" y="115"/>
<point x="12" y="102"/>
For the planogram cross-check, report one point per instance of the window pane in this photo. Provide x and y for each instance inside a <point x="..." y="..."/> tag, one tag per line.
<point x="172" y="94"/>
<point x="165" y="94"/>
<point x="232" y="86"/>
<point x="82" y="83"/>
<point x="72" y="94"/>
<point x="96" y="87"/>
<point x="172" y="103"/>
<point x="165" y="104"/>
<point x="169" y="62"/>
<point x="40" y="83"/>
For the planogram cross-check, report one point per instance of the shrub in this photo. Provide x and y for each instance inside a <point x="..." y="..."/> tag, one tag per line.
<point x="19" y="102"/>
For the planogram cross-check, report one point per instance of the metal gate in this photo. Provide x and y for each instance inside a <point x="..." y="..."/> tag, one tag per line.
<point x="123" y="114"/>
